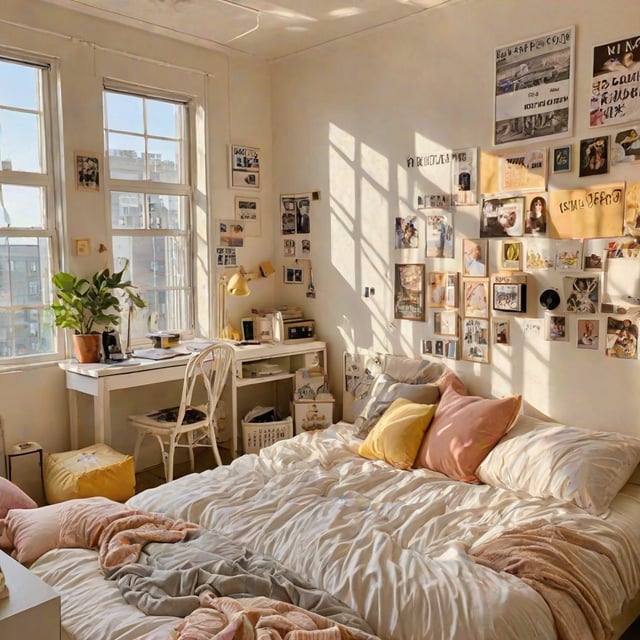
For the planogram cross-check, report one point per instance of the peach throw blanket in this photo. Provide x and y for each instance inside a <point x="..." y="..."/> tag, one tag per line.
<point x="562" y="566"/>
<point x="259" y="618"/>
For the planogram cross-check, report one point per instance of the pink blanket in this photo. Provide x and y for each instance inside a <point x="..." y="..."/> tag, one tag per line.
<point x="259" y="619"/>
<point x="561" y="565"/>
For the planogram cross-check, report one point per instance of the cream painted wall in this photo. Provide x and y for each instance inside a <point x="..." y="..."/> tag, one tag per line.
<point x="235" y="93"/>
<point x="345" y="117"/>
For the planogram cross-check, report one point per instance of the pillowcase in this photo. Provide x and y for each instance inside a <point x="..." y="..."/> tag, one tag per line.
<point x="13" y="497"/>
<point x="412" y="370"/>
<point x="464" y="430"/>
<point x="397" y="435"/>
<point x="548" y="459"/>
<point x="75" y="524"/>
<point x="384" y="391"/>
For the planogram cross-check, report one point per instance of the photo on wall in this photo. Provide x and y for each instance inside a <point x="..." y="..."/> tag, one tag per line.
<point x="622" y="338"/>
<point x="582" y="295"/>
<point x="502" y="216"/>
<point x="474" y="257"/>
<point x="588" y="333"/>
<point x="594" y="156"/>
<point x="442" y="289"/>
<point x="406" y="232"/>
<point x="439" y="236"/>
<point x="409" y="293"/>
<point x="464" y="176"/>
<point x="475" y="340"/>
<point x="556" y="329"/>
<point x="501" y="332"/>
<point x="475" y="292"/>
<point x="625" y="145"/>
<point x="536" y="218"/>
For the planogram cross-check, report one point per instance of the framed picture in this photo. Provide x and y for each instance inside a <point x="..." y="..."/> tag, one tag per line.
<point x="562" y="159"/>
<point x="476" y="297"/>
<point x="522" y="170"/>
<point x="594" y="156"/>
<point x="509" y="296"/>
<point x="474" y="257"/>
<point x="245" y="167"/>
<point x="556" y="329"/>
<point x="622" y="338"/>
<point x="409" y="295"/>
<point x="502" y="216"/>
<point x="536" y="217"/>
<point x="434" y="201"/>
<point x="231" y="233"/>
<point x="511" y="255"/>
<point x="293" y="275"/>
<point x="439" y="235"/>
<point x="445" y="323"/>
<point x="588" y="334"/>
<point x="427" y="346"/>
<point x="451" y="349"/>
<point x="247" y="211"/>
<point x="436" y="289"/>
<point x="475" y="340"/>
<point x="87" y="170"/>
<point x="406" y="232"/>
<point x="501" y="331"/>
<point x="529" y="76"/>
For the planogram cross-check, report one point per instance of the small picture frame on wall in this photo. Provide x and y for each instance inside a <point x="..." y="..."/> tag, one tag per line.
<point x="409" y="292"/>
<point x="244" y="167"/>
<point x="247" y="210"/>
<point x="594" y="156"/>
<point x="475" y="340"/>
<point x="510" y="296"/>
<point x="511" y="255"/>
<point x="501" y="331"/>
<point x="562" y="159"/>
<point x="87" y="170"/>
<point x="293" y="275"/>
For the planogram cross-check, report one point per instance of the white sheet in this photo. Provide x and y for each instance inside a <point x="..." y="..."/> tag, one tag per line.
<point x="392" y="544"/>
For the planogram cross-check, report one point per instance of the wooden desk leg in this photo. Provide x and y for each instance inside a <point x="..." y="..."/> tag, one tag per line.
<point x="74" y="436"/>
<point x="101" y="415"/>
<point x="234" y="420"/>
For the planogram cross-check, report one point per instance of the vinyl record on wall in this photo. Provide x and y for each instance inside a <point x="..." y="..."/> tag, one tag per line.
<point x="549" y="299"/>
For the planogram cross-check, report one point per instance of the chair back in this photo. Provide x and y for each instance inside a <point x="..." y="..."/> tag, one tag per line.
<point x="208" y="368"/>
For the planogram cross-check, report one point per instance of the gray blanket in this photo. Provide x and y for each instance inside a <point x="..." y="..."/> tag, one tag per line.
<point x="169" y="578"/>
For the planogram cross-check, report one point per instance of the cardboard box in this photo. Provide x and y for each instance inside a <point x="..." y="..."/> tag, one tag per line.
<point x="310" y="415"/>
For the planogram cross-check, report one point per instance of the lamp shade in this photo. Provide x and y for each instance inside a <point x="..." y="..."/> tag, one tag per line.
<point x="238" y="285"/>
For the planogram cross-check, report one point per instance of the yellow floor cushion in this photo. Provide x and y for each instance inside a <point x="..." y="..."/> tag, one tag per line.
<point x="97" y="470"/>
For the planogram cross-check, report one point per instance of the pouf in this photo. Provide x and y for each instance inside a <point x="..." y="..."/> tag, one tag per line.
<point x="97" y="470"/>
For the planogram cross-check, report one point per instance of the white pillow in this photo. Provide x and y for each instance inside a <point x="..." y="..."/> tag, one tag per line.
<point x="548" y="459"/>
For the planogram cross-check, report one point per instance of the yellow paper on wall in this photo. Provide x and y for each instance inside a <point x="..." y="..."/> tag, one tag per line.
<point x="590" y="212"/>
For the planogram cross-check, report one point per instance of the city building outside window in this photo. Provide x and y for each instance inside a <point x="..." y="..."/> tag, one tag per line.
<point x="28" y="242"/>
<point x="149" y="186"/>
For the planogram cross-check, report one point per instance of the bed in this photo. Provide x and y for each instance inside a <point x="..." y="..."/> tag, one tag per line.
<point x="543" y="544"/>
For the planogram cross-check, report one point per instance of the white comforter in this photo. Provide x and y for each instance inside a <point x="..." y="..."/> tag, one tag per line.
<point x="391" y="544"/>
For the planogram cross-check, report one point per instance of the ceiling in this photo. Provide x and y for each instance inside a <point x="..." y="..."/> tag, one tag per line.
<point x="260" y="28"/>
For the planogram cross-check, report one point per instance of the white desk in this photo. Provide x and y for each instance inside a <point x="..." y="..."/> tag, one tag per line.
<point x="98" y="380"/>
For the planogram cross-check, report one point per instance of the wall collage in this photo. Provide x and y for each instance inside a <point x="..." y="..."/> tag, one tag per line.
<point x="586" y="236"/>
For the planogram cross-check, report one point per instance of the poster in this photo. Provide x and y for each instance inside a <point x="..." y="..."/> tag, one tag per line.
<point x="534" y="88"/>
<point x="615" y="88"/>
<point x="591" y="212"/>
<point x="523" y="170"/>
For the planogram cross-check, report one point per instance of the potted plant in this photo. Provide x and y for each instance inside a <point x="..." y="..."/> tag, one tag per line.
<point x="84" y="304"/>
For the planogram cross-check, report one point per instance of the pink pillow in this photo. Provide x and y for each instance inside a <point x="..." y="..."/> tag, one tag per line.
<point x="13" y="497"/>
<point x="73" y="524"/>
<point x="464" y="430"/>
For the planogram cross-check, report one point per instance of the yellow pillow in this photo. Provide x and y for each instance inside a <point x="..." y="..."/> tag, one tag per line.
<point x="396" y="437"/>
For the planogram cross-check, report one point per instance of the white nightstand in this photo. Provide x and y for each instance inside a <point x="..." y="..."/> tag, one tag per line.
<point x="32" y="609"/>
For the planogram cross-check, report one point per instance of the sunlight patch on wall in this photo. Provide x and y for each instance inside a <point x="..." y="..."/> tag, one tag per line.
<point x="375" y="165"/>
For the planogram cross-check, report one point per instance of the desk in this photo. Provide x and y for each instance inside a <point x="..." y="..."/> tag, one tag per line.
<point x="98" y="380"/>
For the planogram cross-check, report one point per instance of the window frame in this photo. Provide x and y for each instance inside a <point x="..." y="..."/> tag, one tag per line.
<point x="52" y="183"/>
<point x="147" y="187"/>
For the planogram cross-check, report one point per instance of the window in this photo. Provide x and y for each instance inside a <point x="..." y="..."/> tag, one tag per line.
<point x="150" y="194"/>
<point x="27" y="211"/>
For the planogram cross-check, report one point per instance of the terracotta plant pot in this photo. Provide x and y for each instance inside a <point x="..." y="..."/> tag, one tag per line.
<point x="87" y="347"/>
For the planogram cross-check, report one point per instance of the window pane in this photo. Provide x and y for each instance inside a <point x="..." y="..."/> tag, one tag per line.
<point x="167" y="311"/>
<point x="155" y="261"/>
<point x="26" y="332"/>
<point x="164" y="161"/>
<point x="25" y="271"/>
<point x="124" y="112"/>
<point x="167" y="212"/>
<point x="19" y="85"/>
<point x="22" y="207"/>
<point x="20" y="141"/>
<point x="164" y="119"/>
<point x="126" y="157"/>
<point x="127" y="210"/>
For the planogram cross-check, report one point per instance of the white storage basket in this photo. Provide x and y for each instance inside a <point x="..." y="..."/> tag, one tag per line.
<point x="256" y="435"/>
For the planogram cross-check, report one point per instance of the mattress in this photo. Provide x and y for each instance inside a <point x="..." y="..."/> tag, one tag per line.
<point x="394" y="545"/>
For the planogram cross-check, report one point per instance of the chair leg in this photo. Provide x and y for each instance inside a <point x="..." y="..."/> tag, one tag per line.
<point x="214" y="444"/>
<point x="190" y="440"/>
<point x="169" y="467"/>
<point x="136" y="450"/>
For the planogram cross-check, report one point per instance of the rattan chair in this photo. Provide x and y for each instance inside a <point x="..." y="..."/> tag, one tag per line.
<point x="188" y="425"/>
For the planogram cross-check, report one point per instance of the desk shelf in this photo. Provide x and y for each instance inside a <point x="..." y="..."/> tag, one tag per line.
<point x="247" y="382"/>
